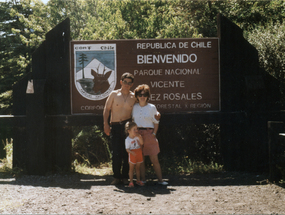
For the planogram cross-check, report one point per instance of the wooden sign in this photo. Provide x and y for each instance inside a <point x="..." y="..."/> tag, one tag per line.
<point x="183" y="74"/>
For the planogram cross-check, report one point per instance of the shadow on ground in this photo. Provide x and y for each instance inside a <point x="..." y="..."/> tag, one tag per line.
<point x="83" y="181"/>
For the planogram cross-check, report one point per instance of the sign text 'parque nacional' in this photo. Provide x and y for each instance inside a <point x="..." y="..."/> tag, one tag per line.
<point x="183" y="74"/>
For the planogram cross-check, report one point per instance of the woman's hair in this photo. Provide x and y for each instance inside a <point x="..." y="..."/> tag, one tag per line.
<point x="140" y="88"/>
<point x="129" y="126"/>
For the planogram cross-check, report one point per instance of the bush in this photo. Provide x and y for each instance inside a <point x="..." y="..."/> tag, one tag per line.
<point x="199" y="142"/>
<point x="189" y="149"/>
<point x="184" y="149"/>
<point x="270" y="44"/>
<point x="89" y="146"/>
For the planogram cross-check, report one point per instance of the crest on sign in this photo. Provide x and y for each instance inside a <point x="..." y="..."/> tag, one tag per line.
<point x="95" y="70"/>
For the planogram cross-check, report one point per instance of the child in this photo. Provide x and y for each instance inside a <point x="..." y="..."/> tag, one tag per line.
<point x="133" y="145"/>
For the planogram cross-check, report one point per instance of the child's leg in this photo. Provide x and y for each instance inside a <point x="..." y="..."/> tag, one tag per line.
<point x="131" y="172"/>
<point x="138" y="171"/>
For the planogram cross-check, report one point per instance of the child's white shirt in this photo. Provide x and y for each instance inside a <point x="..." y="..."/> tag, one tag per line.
<point x="132" y="143"/>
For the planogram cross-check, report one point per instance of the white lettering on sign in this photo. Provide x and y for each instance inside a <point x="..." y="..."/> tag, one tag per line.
<point x="168" y="45"/>
<point x="183" y="45"/>
<point x="95" y="107"/>
<point x="182" y="71"/>
<point x="201" y="44"/>
<point x="167" y="84"/>
<point x="204" y="105"/>
<point x="191" y="106"/>
<point x="107" y="47"/>
<point x="182" y="96"/>
<point x="148" y="72"/>
<point x="168" y="58"/>
<point x="82" y="47"/>
<point x="168" y="106"/>
<point x="154" y="97"/>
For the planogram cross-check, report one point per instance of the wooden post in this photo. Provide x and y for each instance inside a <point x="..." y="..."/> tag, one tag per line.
<point x="42" y="146"/>
<point x="19" y="132"/>
<point x="36" y="162"/>
<point x="58" y="139"/>
<point x="243" y="89"/>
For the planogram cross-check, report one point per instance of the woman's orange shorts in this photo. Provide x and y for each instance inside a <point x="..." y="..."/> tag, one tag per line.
<point x="136" y="159"/>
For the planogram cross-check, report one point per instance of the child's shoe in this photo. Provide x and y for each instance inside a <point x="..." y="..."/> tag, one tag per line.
<point x="131" y="184"/>
<point x="140" y="183"/>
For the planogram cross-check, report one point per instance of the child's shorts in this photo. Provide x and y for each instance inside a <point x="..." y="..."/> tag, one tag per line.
<point x="136" y="159"/>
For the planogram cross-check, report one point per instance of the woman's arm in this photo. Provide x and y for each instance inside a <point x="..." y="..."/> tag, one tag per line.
<point x="155" y="128"/>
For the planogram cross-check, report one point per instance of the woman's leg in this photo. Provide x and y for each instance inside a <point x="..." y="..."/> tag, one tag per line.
<point x="142" y="172"/>
<point x="156" y="166"/>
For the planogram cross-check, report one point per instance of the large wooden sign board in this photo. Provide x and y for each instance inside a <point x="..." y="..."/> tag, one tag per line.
<point x="183" y="74"/>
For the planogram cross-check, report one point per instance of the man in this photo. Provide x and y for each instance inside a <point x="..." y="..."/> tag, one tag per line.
<point x="120" y="104"/>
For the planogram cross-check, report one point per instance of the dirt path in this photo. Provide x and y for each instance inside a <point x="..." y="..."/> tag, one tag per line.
<point x="223" y="193"/>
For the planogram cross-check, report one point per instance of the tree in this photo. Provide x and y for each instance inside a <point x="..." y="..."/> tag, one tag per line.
<point x="13" y="53"/>
<point x="270" y="43"/>
<point x="82" y="59"/>
<point x="23" y="28"/>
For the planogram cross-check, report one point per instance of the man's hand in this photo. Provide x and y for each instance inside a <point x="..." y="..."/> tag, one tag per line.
<point x="107" y="129"/>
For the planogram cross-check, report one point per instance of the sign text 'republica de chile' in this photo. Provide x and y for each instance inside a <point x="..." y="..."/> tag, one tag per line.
<point x="183" y="74"/>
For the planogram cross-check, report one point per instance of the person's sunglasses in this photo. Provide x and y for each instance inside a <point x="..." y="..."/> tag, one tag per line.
<point x="127" y="83"/>
<point x="144" y="95"/>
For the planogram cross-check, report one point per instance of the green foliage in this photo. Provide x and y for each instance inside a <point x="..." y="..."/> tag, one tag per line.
<point x="21" y="31"/>
<point x="199" y="142"/>
<point x="89" y="146"/>
<point x="6" y="170"/>
<point x="101" y="170"/>
<point x="270" y="43"/>
<point x="250" y="14"/>
<point x="8" y="147"/>
<point x="184" y="165"/>
<point x="137" y="20"/>
<point x="12" y="50"/>
<point x="196" y="149"/>
<point x="269" y="40"/>
<point x="5" y="102"/>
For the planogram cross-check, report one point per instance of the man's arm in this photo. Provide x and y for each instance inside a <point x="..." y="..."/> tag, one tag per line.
<point x="106" y="114"/>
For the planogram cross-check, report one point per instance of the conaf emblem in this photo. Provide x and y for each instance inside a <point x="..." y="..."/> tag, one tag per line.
<point x="94" y="81"/>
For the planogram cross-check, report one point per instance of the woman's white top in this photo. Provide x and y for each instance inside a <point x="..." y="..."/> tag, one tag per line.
<point x="132" y="143"/>
<point x="144" y="116"/>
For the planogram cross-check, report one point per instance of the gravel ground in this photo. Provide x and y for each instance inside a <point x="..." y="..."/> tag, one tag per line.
<point x="221" y="193"/>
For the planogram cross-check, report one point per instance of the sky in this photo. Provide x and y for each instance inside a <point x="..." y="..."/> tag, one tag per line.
<point x="45" y="1"/>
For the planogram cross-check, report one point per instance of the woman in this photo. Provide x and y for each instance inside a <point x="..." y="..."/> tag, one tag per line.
<point x="143" y="115"/>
